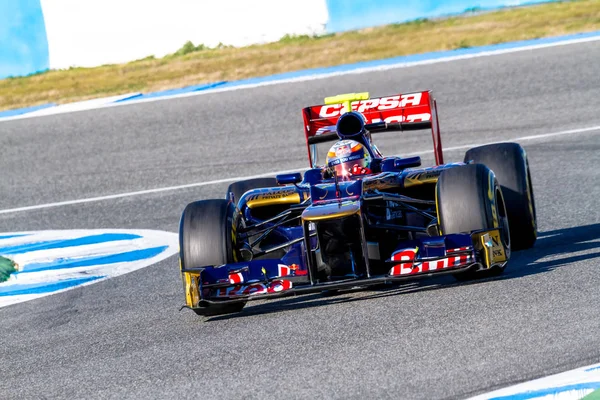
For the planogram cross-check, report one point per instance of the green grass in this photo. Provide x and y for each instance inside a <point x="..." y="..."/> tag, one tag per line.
<point x="7" y="267"/>
<point x="197" y="64"/>
<point x="595" y="395"/>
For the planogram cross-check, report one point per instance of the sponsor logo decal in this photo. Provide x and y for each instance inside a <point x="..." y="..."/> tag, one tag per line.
<point x="275" y="286"/>
<point x="408" y="265"/>
<point x="271" y="194"/>
<point x="236" y="278"/>
<point x="342" y="150"/>
<point x="378" y="104"/>
<point x="341" y="160"/>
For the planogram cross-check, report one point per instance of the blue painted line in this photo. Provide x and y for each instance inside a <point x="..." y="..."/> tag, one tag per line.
<point x="20" y="111"/>
<point x="132" y="97"/>
<point x="44" y="287"/>
<point x="172" y="92"/>
<point x="13" y="236"/>
<point x="593" y="369"/>
<point x="531" y="394"/>
<point x="66" y="263"/>
<point x="55" y="244"/>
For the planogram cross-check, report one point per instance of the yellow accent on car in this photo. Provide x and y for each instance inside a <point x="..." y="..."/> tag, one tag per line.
<point x="234" y="239"/>
<point x="491" y="244"/>
<point x="267" y="199"/>
<point x="498" y="254"/>
<point x="437" y="212"/>
<point x="347" y="99"/>
<point x="356" y="147"/>
<point x="190" y="283"/>
<point x="419" y="178"/>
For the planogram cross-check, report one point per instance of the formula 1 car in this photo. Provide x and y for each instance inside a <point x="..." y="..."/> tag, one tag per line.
<point x="295" y="234"/>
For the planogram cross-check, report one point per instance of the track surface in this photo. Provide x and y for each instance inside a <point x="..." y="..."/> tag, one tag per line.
<point x="432" y="339"/>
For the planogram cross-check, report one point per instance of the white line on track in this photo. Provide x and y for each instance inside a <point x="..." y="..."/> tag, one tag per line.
<point x="237" y="178"/>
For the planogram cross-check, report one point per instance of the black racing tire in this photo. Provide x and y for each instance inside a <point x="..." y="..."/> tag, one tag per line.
<point x="205" y="238"/>
<point x="510" y="165"/>
<point x="468" y="199"/>
<point x="241" y="187"/>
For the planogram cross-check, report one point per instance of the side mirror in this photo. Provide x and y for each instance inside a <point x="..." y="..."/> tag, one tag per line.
<point x="398" y="164"/>
<point x="408" y="162"/>
<point x="286" y="179"/>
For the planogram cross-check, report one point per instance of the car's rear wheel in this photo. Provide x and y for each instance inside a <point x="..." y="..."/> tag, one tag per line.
<point x="469" y="199"/>
<point x="205" y="238"/>
<point x="510" y="165"/>
<point x="237" y="189"/>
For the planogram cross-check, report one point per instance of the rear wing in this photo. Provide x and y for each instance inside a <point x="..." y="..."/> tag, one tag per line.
<point x="402" y="112"/>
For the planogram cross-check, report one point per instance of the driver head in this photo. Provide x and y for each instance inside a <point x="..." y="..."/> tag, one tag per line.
<point x="348" y="158"/>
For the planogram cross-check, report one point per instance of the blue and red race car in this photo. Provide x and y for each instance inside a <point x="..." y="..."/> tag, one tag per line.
<point x="358" y="218"/>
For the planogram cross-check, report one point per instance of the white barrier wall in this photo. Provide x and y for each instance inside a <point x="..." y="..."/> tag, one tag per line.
<point x="88" y="33"/>
<point x="39" y="34"/>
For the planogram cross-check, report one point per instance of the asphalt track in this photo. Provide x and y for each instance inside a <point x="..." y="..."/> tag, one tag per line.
<point x="125" y="337"/>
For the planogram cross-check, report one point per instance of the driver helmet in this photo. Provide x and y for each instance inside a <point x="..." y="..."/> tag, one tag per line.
<point x="348" y="158"/>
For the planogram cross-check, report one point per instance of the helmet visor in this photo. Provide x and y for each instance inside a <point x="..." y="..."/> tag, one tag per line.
<point x="344" y="170"/>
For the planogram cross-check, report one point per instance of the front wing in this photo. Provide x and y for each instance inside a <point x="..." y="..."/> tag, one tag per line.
<point x="259" y="279"/>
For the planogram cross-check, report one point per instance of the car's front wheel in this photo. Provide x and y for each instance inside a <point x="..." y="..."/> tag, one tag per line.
<point x="469" y="199"/>
<point x="206" y="239"/>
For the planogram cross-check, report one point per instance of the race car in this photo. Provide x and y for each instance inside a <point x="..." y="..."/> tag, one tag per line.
<point x="358" y="218"/>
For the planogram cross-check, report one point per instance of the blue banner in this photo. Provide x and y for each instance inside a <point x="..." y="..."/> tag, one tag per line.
<point x="345" y="15"/>
<point x="23" y="41"/>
